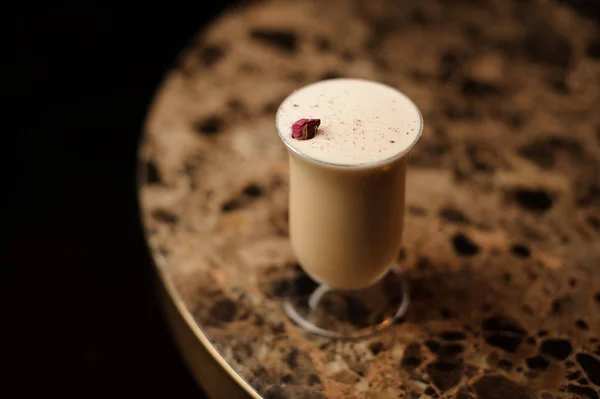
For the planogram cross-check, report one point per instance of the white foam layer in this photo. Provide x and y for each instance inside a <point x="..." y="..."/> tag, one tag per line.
<point x="362" y="122"/>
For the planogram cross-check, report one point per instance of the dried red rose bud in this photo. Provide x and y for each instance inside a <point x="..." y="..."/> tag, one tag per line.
<point x="305" y="129"/>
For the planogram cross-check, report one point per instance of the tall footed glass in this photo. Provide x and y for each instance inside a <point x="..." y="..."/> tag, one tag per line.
<point x="346" y="203"/>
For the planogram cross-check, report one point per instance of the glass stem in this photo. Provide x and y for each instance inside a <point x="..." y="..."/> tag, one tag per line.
<point x="316" y="296"/>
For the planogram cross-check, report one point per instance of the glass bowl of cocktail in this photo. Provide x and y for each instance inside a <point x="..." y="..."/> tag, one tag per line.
<point x="348" y="141"/>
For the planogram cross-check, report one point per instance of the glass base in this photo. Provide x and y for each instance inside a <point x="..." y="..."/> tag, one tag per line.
<point x="347" y="314"/>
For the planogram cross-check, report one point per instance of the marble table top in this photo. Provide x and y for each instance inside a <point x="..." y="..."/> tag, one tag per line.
<point x="502" y="236"/>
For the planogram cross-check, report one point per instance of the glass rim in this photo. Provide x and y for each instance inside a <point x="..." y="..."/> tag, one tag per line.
<point x="363" y="165"/>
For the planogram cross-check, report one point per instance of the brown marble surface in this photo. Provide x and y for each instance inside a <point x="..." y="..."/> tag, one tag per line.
<point x="503" y="195"/>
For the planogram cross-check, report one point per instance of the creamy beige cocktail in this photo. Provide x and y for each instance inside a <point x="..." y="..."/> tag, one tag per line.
<point x="347" y="183"/>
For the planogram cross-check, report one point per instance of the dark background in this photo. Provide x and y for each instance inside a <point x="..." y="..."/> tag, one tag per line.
<point x="79" y="314"/>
